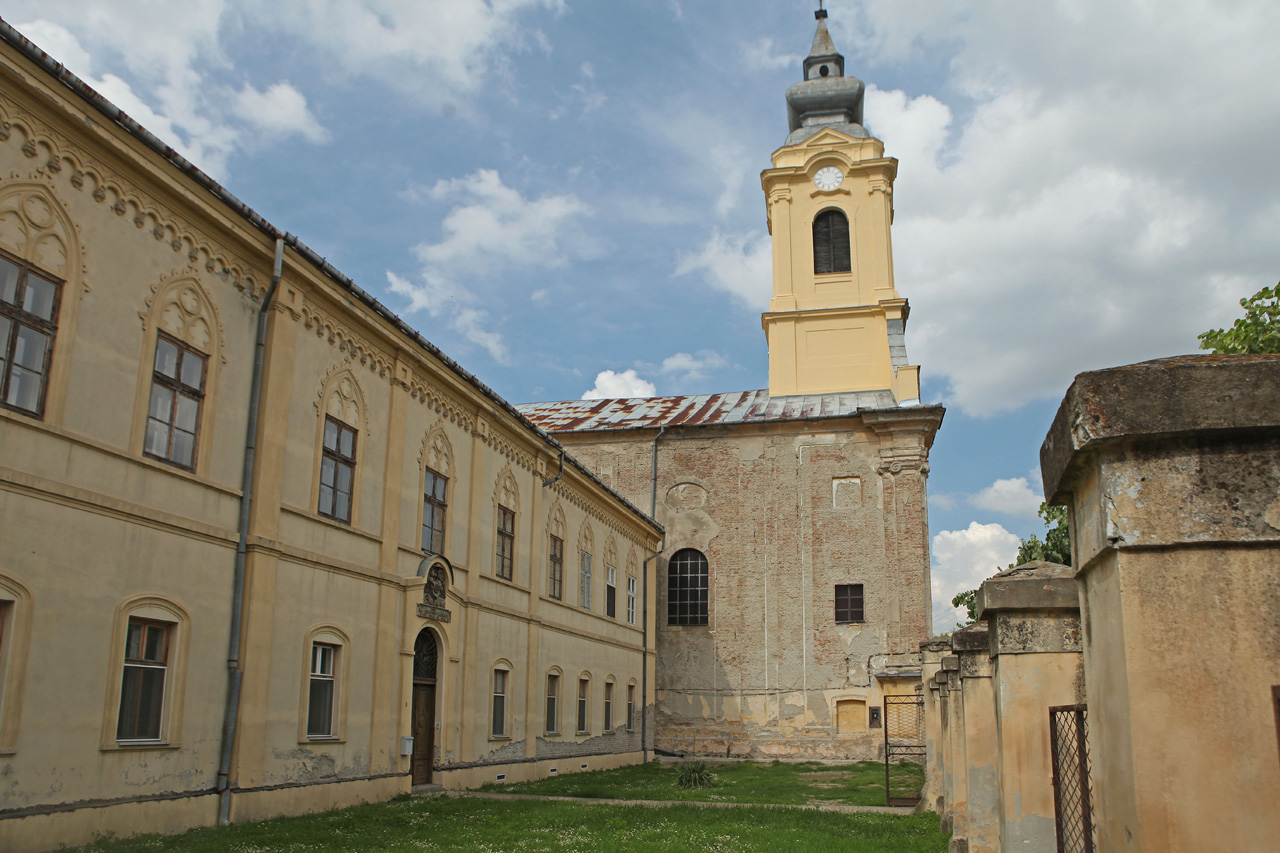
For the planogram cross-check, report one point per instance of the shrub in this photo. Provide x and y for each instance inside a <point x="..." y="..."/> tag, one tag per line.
<point x="695" y="774"/>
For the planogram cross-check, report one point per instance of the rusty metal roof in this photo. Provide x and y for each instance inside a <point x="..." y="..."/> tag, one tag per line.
<point x="739" y="407"/>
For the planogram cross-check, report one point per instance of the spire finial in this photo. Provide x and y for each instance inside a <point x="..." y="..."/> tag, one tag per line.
<point x="821" y="13"/>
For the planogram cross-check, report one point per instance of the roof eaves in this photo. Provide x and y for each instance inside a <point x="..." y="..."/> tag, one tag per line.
<point x="96" y="100"/>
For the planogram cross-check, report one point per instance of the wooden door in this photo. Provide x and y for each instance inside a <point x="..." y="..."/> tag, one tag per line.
<point x="424" y="728"/>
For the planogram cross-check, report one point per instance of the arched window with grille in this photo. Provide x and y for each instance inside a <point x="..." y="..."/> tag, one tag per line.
<point x="687" y="588"/>
<point x="425" y="655"/>
<point x="830" y="242"/>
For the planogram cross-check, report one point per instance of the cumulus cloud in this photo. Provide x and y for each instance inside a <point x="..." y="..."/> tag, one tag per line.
<point x="279" y="111"/>
<point x="491" y="228"/>
<point x="458" y="45"/>
<point x="610" y="385"/>
<point x="1009" y="497"/>
<point x="1050" y="217"/>
<point x="170" y="59"/>
<point x="692" y="368"/>
<point x="740" y="265"/>
<point x="963" y="559"/>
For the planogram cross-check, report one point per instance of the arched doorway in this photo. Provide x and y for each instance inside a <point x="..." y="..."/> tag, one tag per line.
<point x="425" y="659"/>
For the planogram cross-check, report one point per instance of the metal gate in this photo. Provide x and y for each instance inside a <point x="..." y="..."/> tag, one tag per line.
<point x="1072" y="795"/>
<point x="903" y="746"/>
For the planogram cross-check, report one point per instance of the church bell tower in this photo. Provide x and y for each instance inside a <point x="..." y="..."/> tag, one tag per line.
<point x="835" y="323"/>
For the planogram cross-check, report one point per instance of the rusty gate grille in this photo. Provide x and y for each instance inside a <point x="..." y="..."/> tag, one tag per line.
<point x="1072" y="795"/>
<point x="903" y="749"/>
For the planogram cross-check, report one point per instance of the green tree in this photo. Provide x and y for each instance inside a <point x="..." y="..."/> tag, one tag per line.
<point x="1257" y="331"/>
<point x="1056" y="548"/>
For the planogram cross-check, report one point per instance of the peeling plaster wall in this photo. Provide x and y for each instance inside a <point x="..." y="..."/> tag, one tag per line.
<point x="783" y="513"/>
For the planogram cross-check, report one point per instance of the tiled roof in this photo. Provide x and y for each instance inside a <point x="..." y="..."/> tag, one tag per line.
<point x="738" y="407"/>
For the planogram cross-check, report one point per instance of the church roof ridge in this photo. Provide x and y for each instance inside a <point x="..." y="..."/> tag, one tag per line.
<point x="733" y="407"/>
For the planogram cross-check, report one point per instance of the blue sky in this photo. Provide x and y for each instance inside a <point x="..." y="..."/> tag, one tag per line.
<point x="565" y="196"/>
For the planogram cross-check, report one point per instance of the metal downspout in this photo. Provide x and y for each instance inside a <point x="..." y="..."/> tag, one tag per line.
<point x="644" y="597"/>
<point x="235" y="672"/>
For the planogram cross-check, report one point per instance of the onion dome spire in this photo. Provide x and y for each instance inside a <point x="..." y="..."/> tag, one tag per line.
<point x="825" y="97"/>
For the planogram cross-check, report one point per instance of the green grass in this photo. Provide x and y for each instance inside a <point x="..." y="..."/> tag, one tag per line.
<point x="448" y="823"/>
<point x="860" y="784"/>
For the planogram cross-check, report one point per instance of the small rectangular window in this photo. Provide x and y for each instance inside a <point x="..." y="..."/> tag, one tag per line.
<point x="177" y="396"/>
<point x="608" y="706"/>
<point x="553" y="697"/>
<point x="322" y="692"/>
<point x="337" y="470"/>
<point x="506" y="543"/>
<point x="583" y="687"/>
<point x="611" y="592"/>
<point x="433" y="512"/>
<point x="28" y="326"/>
<point x="849" y="603"/>
<point x="631" y="601"/>
<point x="631" y="707"/>
<point x="146" y="659"/>
<point x="555" y="573"/>
<point x="499" y="703"/>
<point x="584" y="581"/>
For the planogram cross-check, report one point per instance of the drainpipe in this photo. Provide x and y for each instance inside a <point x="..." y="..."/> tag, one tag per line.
<point x="235" y="672"/>
<point x="644" y="597"/>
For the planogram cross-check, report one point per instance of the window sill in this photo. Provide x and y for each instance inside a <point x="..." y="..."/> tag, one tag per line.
<point x="499" y="737"/>
<point x="134" y="745"/>
<point x="322" y="739"/>
<point x="551" y="734"/>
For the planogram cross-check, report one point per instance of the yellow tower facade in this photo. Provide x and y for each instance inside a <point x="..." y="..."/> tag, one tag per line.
<point x="835" y="323"/>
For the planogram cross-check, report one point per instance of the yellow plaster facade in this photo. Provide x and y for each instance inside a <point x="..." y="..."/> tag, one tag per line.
<point x="829" y="332"/>
<point x="122" y="517"/>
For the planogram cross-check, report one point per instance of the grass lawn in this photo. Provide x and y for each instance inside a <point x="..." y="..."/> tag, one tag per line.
<point x="860" y="784"/>
<point x="449" y="823"/>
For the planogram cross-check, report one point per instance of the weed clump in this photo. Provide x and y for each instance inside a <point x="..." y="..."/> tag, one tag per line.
<point x="695" y="774"/>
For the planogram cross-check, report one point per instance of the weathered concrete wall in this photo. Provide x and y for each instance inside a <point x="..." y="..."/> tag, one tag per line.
<point x="1034" y="640"/>
<point x="784" y="512"/>
<point x="1171" y="473"/>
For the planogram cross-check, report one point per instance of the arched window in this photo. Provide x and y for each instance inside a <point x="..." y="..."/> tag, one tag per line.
<point x="425" y="655"/>
<point x="830" y="242"/>
<point x="687" y="582"/>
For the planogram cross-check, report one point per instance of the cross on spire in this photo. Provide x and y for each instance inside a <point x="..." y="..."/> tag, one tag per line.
<point x="821" y="13"/>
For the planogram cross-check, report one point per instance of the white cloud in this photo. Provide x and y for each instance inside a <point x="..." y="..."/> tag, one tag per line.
<point x="492" y="228"/>
<point x="1010" y="497"/>
<point x="279" y="111"/>
<point x="692" y="368"/>
<point x="457" y="45"/>
<point x="1053" y="220"/>
<point x="963" y="559"/>
<point x="610" y="385"/>
<point x="761" y="55"/>
<point x="740" y="265"/>
<point x="170" y="59"/>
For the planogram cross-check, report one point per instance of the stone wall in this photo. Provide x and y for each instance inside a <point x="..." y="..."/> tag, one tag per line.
<point x="784" y="512"/>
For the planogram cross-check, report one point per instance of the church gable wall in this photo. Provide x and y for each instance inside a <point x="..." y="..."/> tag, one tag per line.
<point x="783" y="514"/>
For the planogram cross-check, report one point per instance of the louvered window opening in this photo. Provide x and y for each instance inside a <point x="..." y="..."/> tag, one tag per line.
<point x="425" y="655"/>
<point x="687" y="588"/>
<point x="830" y="243"/>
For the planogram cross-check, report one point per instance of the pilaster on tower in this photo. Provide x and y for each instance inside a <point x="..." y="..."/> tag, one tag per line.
<point x="835" y="322"/>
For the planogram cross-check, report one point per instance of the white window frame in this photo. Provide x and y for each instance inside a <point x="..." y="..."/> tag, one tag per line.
<point x="631" y="599"/>
<point x="584" y="580"/>
<point x="323" y="673"/>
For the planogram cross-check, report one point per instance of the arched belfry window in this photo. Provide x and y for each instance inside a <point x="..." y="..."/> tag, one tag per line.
<point x="687" y="587"/>
<point x="424" y="656"/>
<point x="830" y="242"/>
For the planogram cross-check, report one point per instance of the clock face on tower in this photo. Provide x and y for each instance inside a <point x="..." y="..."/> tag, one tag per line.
<point x="828" y="178"/>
